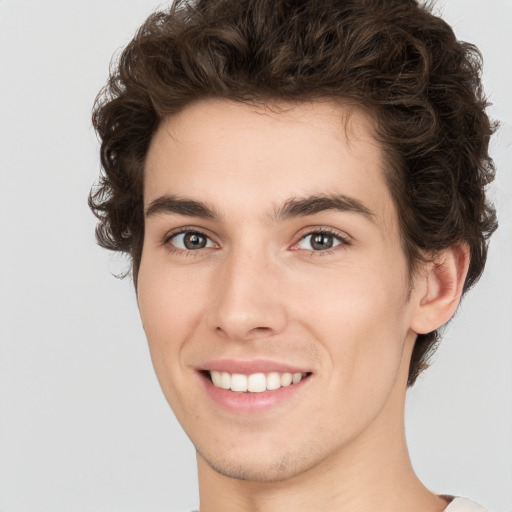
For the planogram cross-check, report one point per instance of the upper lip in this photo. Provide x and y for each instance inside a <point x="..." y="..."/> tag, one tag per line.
<point x="250" y="367"/>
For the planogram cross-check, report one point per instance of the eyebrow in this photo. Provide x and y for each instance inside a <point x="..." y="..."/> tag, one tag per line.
<point x="292" y="208"/>
<point x="301" y="207"/>
<point x="181" y="206"/>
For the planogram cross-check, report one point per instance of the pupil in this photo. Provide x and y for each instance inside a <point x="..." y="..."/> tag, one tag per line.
<point x="194" y="241"/>
<point x="321" y="241"/>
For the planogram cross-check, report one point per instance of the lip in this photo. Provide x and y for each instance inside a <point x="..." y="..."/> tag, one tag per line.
<point x="252" y="403"/>
<point x="249" y="367"/>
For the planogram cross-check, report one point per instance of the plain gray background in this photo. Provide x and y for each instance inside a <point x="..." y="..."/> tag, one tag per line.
<point x="83" y="424"/>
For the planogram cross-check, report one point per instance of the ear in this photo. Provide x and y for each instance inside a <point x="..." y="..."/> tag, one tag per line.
<point x="438" y="289"/>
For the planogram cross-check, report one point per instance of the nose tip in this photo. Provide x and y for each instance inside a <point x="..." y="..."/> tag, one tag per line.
<point x="247" y="304"/>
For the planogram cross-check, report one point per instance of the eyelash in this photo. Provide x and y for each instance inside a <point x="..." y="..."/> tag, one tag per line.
<point x="343" y="241"/>
<point x="187" y="252"/>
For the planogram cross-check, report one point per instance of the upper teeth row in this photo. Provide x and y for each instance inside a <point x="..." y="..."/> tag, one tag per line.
<point x="254" y="383"/>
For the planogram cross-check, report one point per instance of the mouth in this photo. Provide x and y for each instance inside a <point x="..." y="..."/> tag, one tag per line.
<point x="254" y="387"/>
<point x="254" y="382"/>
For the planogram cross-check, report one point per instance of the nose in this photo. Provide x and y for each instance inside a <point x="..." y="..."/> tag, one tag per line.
<point x="247" y="302"/>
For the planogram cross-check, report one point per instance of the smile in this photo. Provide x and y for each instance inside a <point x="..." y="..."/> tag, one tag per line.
<point x="253" y="387"/>
<point x="255" y="382"/>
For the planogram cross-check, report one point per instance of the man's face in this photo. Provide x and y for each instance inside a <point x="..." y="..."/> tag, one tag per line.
<point x="271" y="249"/>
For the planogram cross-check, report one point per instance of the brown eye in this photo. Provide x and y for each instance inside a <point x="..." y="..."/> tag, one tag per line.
<point x="191" y="241"/>
<point x="194" y="241"/>
<point x="320" y="241"/>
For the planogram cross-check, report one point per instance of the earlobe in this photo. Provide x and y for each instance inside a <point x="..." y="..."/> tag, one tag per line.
<point x="440" y="288"/>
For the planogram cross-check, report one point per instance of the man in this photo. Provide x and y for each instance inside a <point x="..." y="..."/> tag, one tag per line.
<point x="301" y="188"/>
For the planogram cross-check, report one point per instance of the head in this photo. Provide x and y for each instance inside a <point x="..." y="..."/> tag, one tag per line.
<point x="392" y="59"/>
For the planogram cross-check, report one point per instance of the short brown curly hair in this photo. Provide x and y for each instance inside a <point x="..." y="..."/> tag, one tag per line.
<point x="392" y="57"/>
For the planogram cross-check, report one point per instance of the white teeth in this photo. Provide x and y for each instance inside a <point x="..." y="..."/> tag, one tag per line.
<point x="216" y="379"/>
<point x="286" y="379"/>
<point x="225" y="380"/>
<point x="238" y="382"/>
<point x="257" y="383"/>
<point x="273" y="381"/>
<point x="254" y="383"/>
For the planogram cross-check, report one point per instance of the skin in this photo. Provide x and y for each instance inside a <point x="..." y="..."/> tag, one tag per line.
<point x="259" y="289"/>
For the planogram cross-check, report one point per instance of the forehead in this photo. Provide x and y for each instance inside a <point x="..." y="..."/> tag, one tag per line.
<point x="247" y="159"/>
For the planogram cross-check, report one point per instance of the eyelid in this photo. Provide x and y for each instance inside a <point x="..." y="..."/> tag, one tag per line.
<point x="166" y="240"/>
<point x="343" y="237"/>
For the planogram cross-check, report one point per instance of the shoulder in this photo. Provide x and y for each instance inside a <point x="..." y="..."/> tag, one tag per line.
<point x="463" y="505"/>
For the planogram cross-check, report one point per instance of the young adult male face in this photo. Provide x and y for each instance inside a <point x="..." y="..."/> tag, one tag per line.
<point x="272" y="246"/>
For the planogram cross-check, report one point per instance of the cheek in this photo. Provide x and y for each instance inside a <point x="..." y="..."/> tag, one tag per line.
<point x="170" y="308"/>
<point x="168" y="300"/>
<point x="352" y="300"/>
<point x="359" y="317"/>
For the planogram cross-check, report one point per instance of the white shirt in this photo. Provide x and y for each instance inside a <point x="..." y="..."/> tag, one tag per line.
<point x="459" y="505"/>
<point x="463" y="505"/>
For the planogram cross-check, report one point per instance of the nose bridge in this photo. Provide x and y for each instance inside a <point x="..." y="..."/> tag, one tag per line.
<point x="247" y="302"/>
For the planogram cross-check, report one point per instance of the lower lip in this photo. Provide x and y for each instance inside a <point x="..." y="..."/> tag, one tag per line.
<point x="252" y="403"/>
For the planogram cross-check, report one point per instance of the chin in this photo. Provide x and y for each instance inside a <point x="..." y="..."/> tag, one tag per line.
<point x="258" y="467"/>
